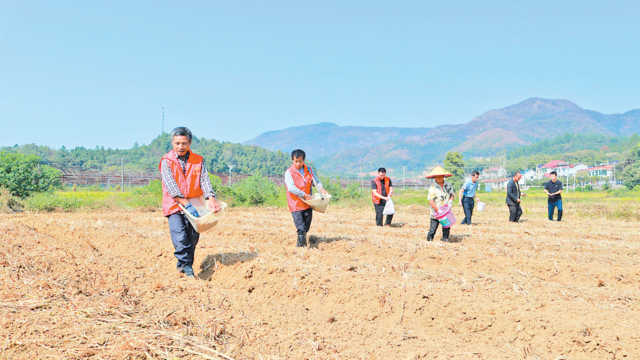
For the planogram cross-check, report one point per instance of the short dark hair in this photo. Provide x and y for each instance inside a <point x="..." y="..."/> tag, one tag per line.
<point x="516" y="173"/>
<point x="297" y="153"/>
<point x="553" y="173"/>
<point x="382" y="170"/>
<point x="474" y="173"/>
<point x="181" y="131"/>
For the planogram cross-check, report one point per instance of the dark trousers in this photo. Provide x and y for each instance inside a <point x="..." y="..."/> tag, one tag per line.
<point x="184" y="237"/>
<point x="515" y="211"/>
<point x="467" y="204"/>
<point x="552" y="207"/>
<point x="433" y="226"/>
<point x="302" y="220"/>
<point x="379" y="209"/>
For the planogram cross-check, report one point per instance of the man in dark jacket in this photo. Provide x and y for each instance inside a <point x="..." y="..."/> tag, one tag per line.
<point x="513" y="198"/>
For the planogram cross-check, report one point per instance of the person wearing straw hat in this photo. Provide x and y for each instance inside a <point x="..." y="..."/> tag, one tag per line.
<point x="184" y="176"/>
<point x="441" y="193"/>
<point x="298" y="179"/>
<point x="381" y="190"/>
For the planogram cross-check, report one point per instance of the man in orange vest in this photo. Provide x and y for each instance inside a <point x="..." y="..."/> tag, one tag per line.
<point x="298" y="179"/>
<point x="184" y="176"/>
<point x="381" y="190"/>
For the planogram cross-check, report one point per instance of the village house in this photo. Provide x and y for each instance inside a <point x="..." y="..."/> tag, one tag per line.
<point x="603" y="170"/>
<point x="553" y="165"/>
<point x="494" y="172"/>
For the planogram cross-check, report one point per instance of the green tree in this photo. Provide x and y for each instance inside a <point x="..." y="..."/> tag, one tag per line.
<point x="22" y="175"/>
<point x="631" y="175"/>
<point x="454" y="163"/>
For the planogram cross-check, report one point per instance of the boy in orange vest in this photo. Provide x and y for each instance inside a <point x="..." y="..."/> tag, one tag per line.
<point x="381" y="190"/>
<point x="184" y="177"/>
<point x="298" y="179"/>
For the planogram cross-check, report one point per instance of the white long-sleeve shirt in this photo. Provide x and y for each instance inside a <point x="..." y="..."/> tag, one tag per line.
<point x="291" y="187"/>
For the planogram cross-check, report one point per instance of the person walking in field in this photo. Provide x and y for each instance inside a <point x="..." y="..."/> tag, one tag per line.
<point x="184" y="176"/>
<point x="440" y="194"/>
<point x="513" y="198"/>
<point x="553" y="188"/>
<point x="467" y="195"/>
<point x="381" y="190"/>
<point x="298" y="179"/>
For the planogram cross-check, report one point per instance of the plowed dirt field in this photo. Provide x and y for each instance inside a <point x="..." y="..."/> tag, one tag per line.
<point x="103" y="285"/>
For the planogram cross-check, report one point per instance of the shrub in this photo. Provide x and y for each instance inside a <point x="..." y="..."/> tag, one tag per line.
<point x="588" y="188"/>
<point x="338" y="193"/>
<point x="22" y="175"/>
<point x="579" y="189"/>
<point x="257" y="190"/>
<point x="636" y="188"/>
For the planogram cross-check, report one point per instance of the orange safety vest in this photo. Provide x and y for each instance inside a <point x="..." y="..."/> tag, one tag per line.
<point x="189" y="182"/>
<point x="302" y="183"/>
<point x="387" y="181"/>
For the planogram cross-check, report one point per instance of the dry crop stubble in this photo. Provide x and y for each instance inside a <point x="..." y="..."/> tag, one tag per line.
<point x="104" y="285"/>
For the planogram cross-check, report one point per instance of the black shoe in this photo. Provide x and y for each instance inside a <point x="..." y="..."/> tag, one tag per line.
<point x="188" y="271"/>
<point x="302" y="240"/>
<point x="429" y="239"/>
<point x="445" y="240"/>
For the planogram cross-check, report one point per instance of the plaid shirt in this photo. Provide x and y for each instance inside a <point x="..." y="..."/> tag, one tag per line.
<point x="170" y="182"/>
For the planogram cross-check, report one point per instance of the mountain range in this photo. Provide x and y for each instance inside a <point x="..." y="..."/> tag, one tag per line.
<point x="336" y="148"/>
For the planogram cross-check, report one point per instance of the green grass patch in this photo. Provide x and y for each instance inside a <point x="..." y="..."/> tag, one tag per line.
<point x="90" y="200"/>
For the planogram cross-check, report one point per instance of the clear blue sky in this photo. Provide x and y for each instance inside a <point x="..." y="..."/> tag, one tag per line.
<point x="87" y="73"/>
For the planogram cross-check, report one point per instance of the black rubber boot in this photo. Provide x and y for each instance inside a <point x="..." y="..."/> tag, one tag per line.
<point x="559" y="215"/>
<point x="302" y="240"/>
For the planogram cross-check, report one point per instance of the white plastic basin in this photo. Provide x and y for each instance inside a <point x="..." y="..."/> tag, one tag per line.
<point x="206" y="222"/>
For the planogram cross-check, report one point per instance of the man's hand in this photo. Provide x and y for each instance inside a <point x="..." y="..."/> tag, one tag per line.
<point x="477" y="200"/>
<point x="307" y="197"/>
<point x="191" y="210"/>
<point x="214" y="205"/>
<point x="519" y="200"/>
<point x="324" y="192"/>
<point x="387" y="198"/>
<point x="460" y="202"/>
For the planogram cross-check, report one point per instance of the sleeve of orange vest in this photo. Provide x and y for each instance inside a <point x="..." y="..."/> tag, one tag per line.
<point x="291" y="187"/>
<point x="169" y="181"/>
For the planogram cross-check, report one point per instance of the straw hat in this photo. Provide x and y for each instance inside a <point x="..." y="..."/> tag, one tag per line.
<point x="438" y="171"/>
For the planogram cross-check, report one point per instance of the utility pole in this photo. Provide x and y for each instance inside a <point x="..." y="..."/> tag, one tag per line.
<point x="122" y="175"/>
<point x="361" y="177"/>
<point x="162" y="113"/>
<point x="402" y="178"/>
<point x="230" y="167"/>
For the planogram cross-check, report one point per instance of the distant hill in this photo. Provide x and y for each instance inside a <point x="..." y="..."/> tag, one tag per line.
<point x="326" y="138"/>
<point x="339" y="149"/>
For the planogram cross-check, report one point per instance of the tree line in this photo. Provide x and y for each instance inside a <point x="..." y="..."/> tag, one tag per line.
<point x="218" y="156"/>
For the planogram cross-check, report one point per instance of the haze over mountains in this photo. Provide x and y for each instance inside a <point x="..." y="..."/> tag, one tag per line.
<point x="340" y="148"/>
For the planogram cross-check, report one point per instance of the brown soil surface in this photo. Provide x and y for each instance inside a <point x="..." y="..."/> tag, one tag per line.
<point x="103" y="285"/>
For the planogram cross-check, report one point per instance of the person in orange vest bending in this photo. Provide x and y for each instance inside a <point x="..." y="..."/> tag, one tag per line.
<point x="381" y="190"/>
<point x="184" y="177"/>
<point x="298" y="179"/>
